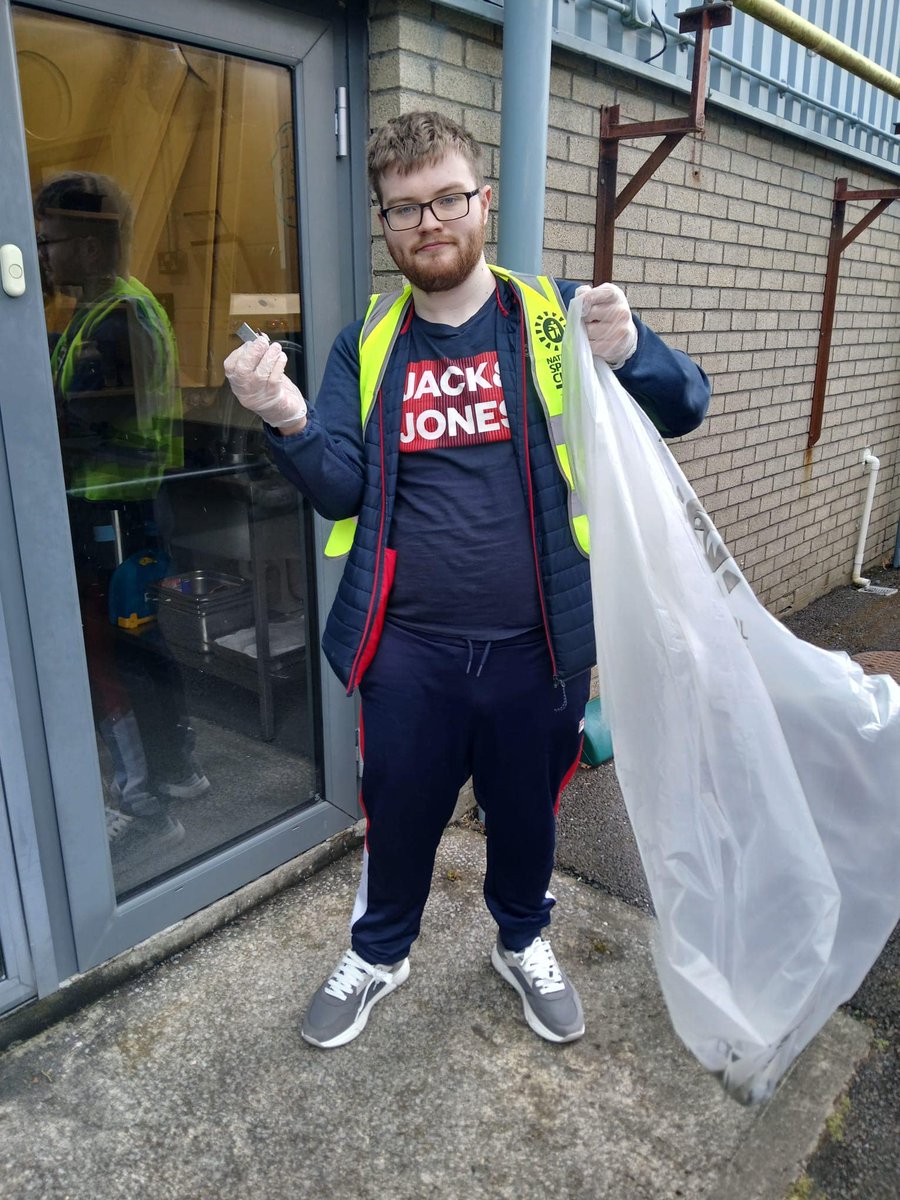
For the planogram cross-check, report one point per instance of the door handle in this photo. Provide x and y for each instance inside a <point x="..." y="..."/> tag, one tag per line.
<point x="12" y="270"/>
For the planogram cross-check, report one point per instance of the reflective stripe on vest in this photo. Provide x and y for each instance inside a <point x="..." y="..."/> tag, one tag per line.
<point x="377" y="338"/>
<point x="545" y="323"/>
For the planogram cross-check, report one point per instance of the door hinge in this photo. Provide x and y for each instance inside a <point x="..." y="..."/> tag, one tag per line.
<point x="340" y="122"/>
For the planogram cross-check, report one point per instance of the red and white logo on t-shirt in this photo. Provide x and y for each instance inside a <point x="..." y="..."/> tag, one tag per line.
<point x="453" y="402"/>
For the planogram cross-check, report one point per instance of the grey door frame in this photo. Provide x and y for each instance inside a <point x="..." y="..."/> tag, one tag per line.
<point x="51" y="689"/>
<point x="18" y="982"/>
<point x="17" y="979"/>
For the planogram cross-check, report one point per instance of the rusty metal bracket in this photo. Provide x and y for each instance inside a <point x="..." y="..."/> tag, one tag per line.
<point x="713" y="14"/>
<point x="837" y="244"/>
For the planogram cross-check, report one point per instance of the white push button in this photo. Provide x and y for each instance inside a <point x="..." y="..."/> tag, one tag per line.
<point x="12" y="270"/>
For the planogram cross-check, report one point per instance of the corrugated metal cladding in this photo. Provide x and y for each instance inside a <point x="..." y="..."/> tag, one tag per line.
<point x="752" y="68"/>
<point x="764" y="70"/>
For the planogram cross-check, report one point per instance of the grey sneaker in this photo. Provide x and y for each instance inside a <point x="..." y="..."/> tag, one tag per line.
<point x="340" y="1008"/>
<point x="552" y="1006"/>
<point x="192" y="787"/>
<point x="147" y="818"/>
<point x="122" y="827"/>
<point x="163" y="828"/>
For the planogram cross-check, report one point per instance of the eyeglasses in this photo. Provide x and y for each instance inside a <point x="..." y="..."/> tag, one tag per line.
<point x="443" y="208"/>
<point x="45" y="241"/>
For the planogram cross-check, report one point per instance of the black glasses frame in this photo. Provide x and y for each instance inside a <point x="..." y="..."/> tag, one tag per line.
<point x="386" y="212"/>
<point x="45" y="241"/>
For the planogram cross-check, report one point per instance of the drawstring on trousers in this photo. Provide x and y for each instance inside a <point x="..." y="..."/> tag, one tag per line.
<point x="557" y="682"/>
<point x="484" y="657"/>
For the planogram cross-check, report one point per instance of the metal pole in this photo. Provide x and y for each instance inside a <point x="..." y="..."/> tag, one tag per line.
<point x="826" y="323"/>
<point x="838" y="243"/>
<point x="527" y="39"/>
<point x="777" y="17"/>
<point x="712" y="14"/>
<point x="605" y="225"/>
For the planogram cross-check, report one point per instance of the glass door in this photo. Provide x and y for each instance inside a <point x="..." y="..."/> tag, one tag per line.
<point x="169" y="181"/>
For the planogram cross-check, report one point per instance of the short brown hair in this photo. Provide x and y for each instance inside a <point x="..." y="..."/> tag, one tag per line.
<point x="93" y="206"/>
<point x="419" y="139"/>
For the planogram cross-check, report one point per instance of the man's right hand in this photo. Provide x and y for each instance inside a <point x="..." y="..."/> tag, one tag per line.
<point x="255" y="372"/>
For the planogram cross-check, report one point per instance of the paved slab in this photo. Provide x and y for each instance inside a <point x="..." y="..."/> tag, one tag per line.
<point x="192" y="1081"/>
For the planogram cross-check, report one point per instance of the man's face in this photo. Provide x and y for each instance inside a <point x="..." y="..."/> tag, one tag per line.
<point x="65" y="253"/>
<point x="438" y="255"/>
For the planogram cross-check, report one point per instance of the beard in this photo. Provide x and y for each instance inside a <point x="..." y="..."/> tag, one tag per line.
<point x="442" y="276"/>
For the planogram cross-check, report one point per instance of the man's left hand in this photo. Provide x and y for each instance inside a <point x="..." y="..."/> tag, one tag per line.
<point x="610" y="326"/>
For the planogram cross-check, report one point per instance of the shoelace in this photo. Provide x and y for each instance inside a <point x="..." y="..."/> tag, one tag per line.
<point x="116" y="823"/>
<point x="350" y="973"/>
<point x="539" y="963"/>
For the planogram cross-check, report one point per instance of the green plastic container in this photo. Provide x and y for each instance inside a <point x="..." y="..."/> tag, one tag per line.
<point x="597" y="746"/>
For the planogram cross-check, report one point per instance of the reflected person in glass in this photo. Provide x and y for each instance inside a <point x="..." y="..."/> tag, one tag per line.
<point x="114" y="369"/>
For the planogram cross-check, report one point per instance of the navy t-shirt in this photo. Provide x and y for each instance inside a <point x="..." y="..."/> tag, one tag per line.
<point x="465" y="559"/>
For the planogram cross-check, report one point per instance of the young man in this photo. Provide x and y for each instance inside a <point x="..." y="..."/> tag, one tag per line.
<point x="464" y="612"/>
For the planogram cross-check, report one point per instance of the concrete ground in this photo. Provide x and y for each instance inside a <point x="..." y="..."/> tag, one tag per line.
<point x="191" y="1081"/>
<point x="858" y="1157"/>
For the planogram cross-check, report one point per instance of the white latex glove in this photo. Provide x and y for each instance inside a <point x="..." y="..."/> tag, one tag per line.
<point x="255" y="371"/>
<point x="610" y="326"/>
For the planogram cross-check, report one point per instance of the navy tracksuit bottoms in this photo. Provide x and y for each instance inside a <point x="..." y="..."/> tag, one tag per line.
<point x="434" y="712"/>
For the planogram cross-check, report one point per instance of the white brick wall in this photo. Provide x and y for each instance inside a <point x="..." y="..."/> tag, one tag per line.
<point x="723" y="253"/>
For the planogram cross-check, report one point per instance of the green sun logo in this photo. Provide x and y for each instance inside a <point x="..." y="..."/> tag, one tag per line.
<point x="549" y="329"/>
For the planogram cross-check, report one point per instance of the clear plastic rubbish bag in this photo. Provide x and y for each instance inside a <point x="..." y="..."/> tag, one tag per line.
<point x="760" y="773"/>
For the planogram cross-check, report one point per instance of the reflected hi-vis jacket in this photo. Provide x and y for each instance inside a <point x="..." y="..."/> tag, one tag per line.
<point x="345" y="461"/>
<point x="115" y="373"/>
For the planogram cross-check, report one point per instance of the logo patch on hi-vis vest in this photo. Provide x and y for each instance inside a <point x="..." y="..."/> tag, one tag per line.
<point x="453" y="402"/>
<point x="549" y="330"/>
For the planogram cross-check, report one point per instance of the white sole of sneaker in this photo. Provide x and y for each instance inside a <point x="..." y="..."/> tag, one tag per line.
<point x="353" y="1031"/>
<point x="534" y="1023"/>
<point x="176" y="792"/>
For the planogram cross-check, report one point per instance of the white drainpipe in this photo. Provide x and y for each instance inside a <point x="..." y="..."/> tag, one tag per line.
<point x="870" y="461"/>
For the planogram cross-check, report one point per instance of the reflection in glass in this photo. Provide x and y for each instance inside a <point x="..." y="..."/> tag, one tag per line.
<point x="165" y="217"/>
<point x="118" y="408"/>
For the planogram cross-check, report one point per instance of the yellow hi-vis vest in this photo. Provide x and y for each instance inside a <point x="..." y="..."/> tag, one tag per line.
<point x="545" y="322"/>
